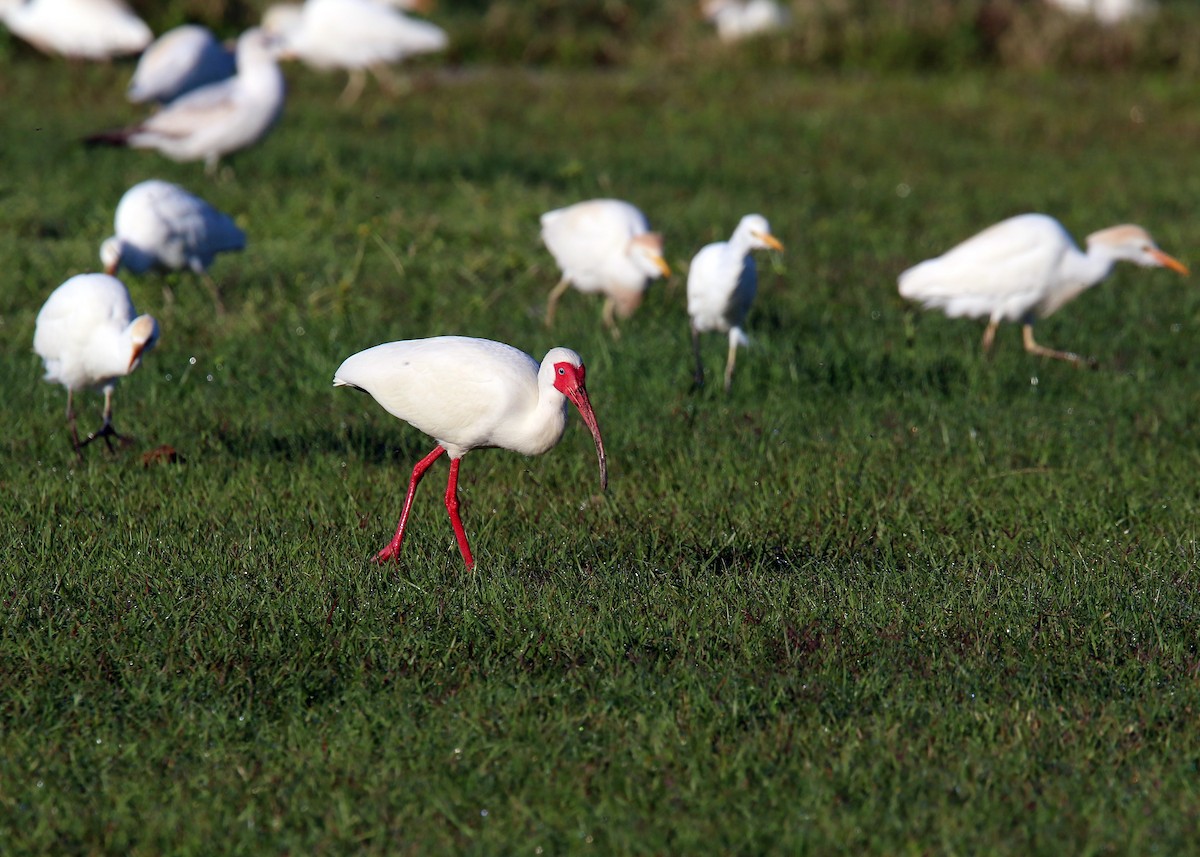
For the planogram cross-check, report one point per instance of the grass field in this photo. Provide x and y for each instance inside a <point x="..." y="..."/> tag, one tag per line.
<point x="888" y="596"/>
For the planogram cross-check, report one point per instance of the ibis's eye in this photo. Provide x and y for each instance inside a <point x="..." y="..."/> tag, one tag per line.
<point x="562" y="371"/>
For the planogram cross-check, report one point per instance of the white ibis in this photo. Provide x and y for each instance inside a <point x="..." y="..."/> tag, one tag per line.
<point x="161" y="225"/>
<point x="740" y="19"/>
<point x="468" y="393"/>
<point x="88" y="335"/>
<point x="81" y="29"/>
<point x="354" y="35"/>
<point x="721" y="285"/>
<point x="180" y="60"/>
<point x="605" y="246"/>
<point x="217" y="119"/>
<point x="1025" y="268"/>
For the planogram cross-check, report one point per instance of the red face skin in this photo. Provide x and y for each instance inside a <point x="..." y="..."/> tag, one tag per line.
<point x="568" y="380"/>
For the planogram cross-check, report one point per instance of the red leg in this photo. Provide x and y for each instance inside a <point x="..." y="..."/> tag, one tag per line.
<point x="392" y="551"/>
<point x="452" y="508"/>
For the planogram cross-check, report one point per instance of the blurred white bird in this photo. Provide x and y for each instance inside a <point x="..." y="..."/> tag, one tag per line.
<point x="740" y="19"/>
<point x="468" y="393"/>
<point x="217" y="119"/>
<point x="83" y="29"/>
<point x="605" y="246"/>
<point x="722" y="282"/>
<point x="88" y="335"/>
<point x="179" y="61"/>
<point x="161" y="225"/>
<point x="1108" y="12"/>
<point x="351" y="34"/>
<point x="1025" y="268"/>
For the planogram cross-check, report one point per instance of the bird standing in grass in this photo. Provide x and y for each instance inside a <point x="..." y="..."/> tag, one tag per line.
<point x="468" y="393"/>
<point x="1025" y="268"/>
<point x="605" y="246"/>
<point x="354" y="35"/>
<point x="80" y="29"/>
<point x="214" y="120"/>
<point x="88" y="335"/>
<point x="722" y="282"/>
<point x="161" y="225"/>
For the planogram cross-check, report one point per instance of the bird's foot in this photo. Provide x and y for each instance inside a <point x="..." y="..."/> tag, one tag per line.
<point x="107" y="432"/>
<point x="391" y="553"/>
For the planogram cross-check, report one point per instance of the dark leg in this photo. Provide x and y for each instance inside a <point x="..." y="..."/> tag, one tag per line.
<point x="106" y="430"/>
<point x="392" y="551"/>
<point x="698" y="378"/>
<point x="452" y="508"/>
<point x="75" y="444"/>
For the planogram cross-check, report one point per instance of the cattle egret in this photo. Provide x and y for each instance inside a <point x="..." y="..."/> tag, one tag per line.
<point x="740" y="19"/>
<point x="179" y="61"/>
<point x="1025" y="268"/>
<point x="88" y="335"/>
<point x="353" y="35"/>
<point x="161" y="225"/>
<point x="721" y="285"/>
<point x="468" y="393"/>
<point x="82" y="29"/>
<point x="217" y="119"/>
<point x="605" y="246"/>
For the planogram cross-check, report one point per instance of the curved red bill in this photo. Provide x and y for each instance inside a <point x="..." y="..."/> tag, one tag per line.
<point x="579" y="398"/>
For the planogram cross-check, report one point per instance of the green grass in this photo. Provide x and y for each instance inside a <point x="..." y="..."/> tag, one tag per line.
<point x="886" y="597"/>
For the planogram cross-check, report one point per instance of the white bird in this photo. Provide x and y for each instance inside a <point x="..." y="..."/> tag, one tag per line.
<point x="217" y="119"/>
<point x="605" y="246"/>
<point x="740" y="19"/>
<point x="88" y="335"/>
<point x="179" y="61"/>
<point x="353" y="35"/>
<point x="83" y="29"/>
<point x="1025" y="268"/>
<point x="468" y="393"/>
<point x="1108" y="12"/>
<point x="161" y="225"/>
<point x="722" y="282"/>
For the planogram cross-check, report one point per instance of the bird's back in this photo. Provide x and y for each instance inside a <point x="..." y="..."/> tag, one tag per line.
<point x="360" y="33"/>
<point x="590" y="242"/>
<point x="90" y="29"/>
<point x="459" y="390"/>
<point x="1001" y="273"/>
<point x="179" y="61"/>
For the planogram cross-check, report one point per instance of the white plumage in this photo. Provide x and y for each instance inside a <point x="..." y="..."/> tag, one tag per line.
<point x="88" y="335"/>
<point x="722" y="282"/>
<point x="350" y="34"/>
<point x="1025" y="268"/>
<point x="179" y="61"/>
<point x="217" y="119"/>
<point x="84" y="29"/>
<point x="1108" y="12"/>
<point x="468" y="393"/>
<point x="740" y="19"/>
<point x="604" y="246"/>
<point x="160" y="225"/>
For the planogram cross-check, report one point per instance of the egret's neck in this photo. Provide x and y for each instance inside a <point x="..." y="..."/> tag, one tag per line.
<point x="1094" y="265"/>
<point x="1080" y="271"/>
